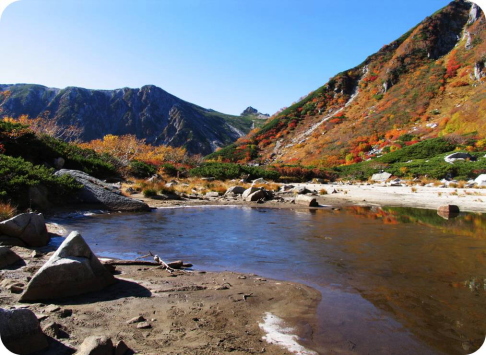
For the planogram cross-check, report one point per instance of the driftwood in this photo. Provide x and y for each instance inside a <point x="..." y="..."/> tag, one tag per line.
<point x="179" y="264"/>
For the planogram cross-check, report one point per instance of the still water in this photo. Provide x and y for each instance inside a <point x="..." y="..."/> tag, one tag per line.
<point x="393" y="281"/>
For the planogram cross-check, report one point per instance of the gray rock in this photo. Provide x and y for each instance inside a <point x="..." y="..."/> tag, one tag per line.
<point x="30" y="228"/>
<point x="249" y="191"/>
<point x="8" y="257"/>
<point x="260" y="181"/>
<point x="54" y="330"/>
<point x="95" y="191"/>
<point x="21" y="331"/>
<point x="16" y="288"/>
<point x="212" y="194"/>
<point x="301" y="190"/>
<point x="256" y="196"/>
<point x="96" y="345"/>
<point x="305" y="200"/>
<point x="474" y="14"/>
<point x="459" y="156"/>
<point x="136" y="320"/>
<point x="237" y="190"/>
<point x="144" y="325"/>
<point x="121" y="348"/>
<point x="11" y="241"/>
<point x="72" y="270"/>
<point x="381" y="177"/>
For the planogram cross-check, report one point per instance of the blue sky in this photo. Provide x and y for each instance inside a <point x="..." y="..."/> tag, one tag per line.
<point x="219" y="54"/>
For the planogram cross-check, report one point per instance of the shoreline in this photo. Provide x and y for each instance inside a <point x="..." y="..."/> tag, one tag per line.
<point x="346" y="195"/>
<point x="190" y="312"/>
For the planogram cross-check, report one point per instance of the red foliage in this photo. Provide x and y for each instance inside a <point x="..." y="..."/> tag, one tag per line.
<point x="452" y="66"/>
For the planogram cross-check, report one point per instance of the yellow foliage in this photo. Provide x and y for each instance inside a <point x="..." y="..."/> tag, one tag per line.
<point x="128" y="147"/>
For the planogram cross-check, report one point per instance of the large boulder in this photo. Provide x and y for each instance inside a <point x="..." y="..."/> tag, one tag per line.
<point x="95" y="191"/>
<point x="72" y="270"/>
<point x="249" y="191"/>
<point x="305" y="200"/>
<point x="451" y="158"/>
<point x="8" y="257"/>
<point x="21" y="332"/>
<point x="381" y="177"/>
<point x="29" y="228"/>
<point x="480" y="180"/>
<point x="256" y="196"/>
<point x="237" y="190"/>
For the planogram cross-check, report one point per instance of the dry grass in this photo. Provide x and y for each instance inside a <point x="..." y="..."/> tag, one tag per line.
<point x="7" y="211"/>
<point x="196" y="185"/>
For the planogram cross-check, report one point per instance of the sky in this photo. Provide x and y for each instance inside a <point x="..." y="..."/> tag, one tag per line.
<point x="220" y="54"/>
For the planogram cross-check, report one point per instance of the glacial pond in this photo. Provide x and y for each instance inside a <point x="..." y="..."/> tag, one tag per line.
<point x="393" y="280"/>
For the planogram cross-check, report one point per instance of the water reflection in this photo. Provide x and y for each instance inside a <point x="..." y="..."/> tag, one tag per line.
<point x="385" y="274"/>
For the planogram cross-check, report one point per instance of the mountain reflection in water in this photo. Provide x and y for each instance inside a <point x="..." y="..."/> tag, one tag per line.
<point x="393" y="280"/>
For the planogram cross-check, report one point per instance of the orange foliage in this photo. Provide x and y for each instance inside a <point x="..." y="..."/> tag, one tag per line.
<point x="128" y="147"/>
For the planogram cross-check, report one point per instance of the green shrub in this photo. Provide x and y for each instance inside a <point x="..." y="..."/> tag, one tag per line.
<point x="224" y="171"/>
<point x="17" y="175"/>
<point x="149" y="192"/>
<point x="142" y="170"/>
<point x="170" y="170"/>
<point x="423" y="150"/>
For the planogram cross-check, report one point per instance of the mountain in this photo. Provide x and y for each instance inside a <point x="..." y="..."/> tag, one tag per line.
<point x="250" y="111"/>
<point x="149" y="112"/>
<point x="428" y="83"/>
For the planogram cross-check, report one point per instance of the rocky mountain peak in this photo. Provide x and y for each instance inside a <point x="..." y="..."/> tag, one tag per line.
<point x="250" y="111"/>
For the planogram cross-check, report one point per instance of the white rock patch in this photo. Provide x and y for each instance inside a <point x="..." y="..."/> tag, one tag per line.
<point x="278" y="334"/>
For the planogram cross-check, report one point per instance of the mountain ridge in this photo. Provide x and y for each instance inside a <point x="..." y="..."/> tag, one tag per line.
<point x="419" y="86"/>
<point x="148" y="112"/>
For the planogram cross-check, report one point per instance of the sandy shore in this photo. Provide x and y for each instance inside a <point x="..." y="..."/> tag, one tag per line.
<point x="187" y="312"/>
<point x="339" y="195"/>
<point x="467" y="199"/>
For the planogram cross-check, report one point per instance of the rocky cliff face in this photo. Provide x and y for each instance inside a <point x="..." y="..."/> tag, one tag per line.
<point x="149" y="112"/>
<point x="428" y="83"/>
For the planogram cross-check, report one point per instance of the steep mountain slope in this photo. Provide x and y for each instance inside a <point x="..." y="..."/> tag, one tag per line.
<point x="148" y="112"/>
<point x="430" y="82"/>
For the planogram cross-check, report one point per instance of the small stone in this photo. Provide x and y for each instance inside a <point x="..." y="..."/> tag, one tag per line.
<point x="242" y="277"/>
<point x="144" y="325"/>
<point x="136" y="320"/>
<point x="66" y="313"/>
<point x="16" y="289"/>
<point x="35" y="254"/>
<point x="53" y="308"/>
<point x="53" y="330"/>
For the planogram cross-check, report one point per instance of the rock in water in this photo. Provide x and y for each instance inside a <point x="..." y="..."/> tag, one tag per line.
<point x="305" y="200"/>
<point x="72" y="270"/>
<point x="21" y="332"/>
<point x="29" y="228"/>
<point x="97" y="192"/>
